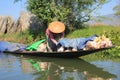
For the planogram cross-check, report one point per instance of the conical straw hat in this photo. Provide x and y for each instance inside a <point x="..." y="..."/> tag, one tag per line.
<point x="56" y="27"/>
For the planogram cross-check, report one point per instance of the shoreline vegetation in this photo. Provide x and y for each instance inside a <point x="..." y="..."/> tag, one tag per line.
<point x="113" y="33"/>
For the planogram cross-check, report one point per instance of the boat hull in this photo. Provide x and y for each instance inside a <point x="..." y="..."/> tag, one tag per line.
<point x="74" y="54"/>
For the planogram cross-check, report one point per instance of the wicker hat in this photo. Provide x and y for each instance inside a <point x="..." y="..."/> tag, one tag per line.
<point x="56" y="27"/>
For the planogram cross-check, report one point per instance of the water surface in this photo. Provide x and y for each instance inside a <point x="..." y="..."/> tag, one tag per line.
<point x="19" y="67"/>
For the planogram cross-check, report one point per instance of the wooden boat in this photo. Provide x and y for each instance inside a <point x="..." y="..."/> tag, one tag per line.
<point x="58" y="54"/>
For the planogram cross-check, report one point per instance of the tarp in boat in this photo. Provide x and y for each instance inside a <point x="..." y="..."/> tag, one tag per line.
<point x="34" y="46"/>
<point x="4" y="45"/>
<point x="77" y="43"/>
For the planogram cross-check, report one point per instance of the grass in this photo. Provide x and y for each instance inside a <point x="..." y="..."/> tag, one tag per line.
<point x="88" y="31"/>
<point x="85" y="32"/>
<point x="16" y="37"/>
<point x="24" y="37"/>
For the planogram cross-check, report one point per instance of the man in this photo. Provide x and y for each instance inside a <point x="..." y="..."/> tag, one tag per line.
<point x="54" y="33"/>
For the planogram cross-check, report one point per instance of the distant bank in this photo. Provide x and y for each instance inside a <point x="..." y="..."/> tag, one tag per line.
<point x="110" y="19"/>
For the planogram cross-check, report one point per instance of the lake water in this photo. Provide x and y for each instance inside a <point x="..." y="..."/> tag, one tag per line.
<point x="19" y="67"/>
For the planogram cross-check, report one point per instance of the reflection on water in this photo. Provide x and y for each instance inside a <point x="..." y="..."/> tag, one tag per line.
<point x="17" y="67"/>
